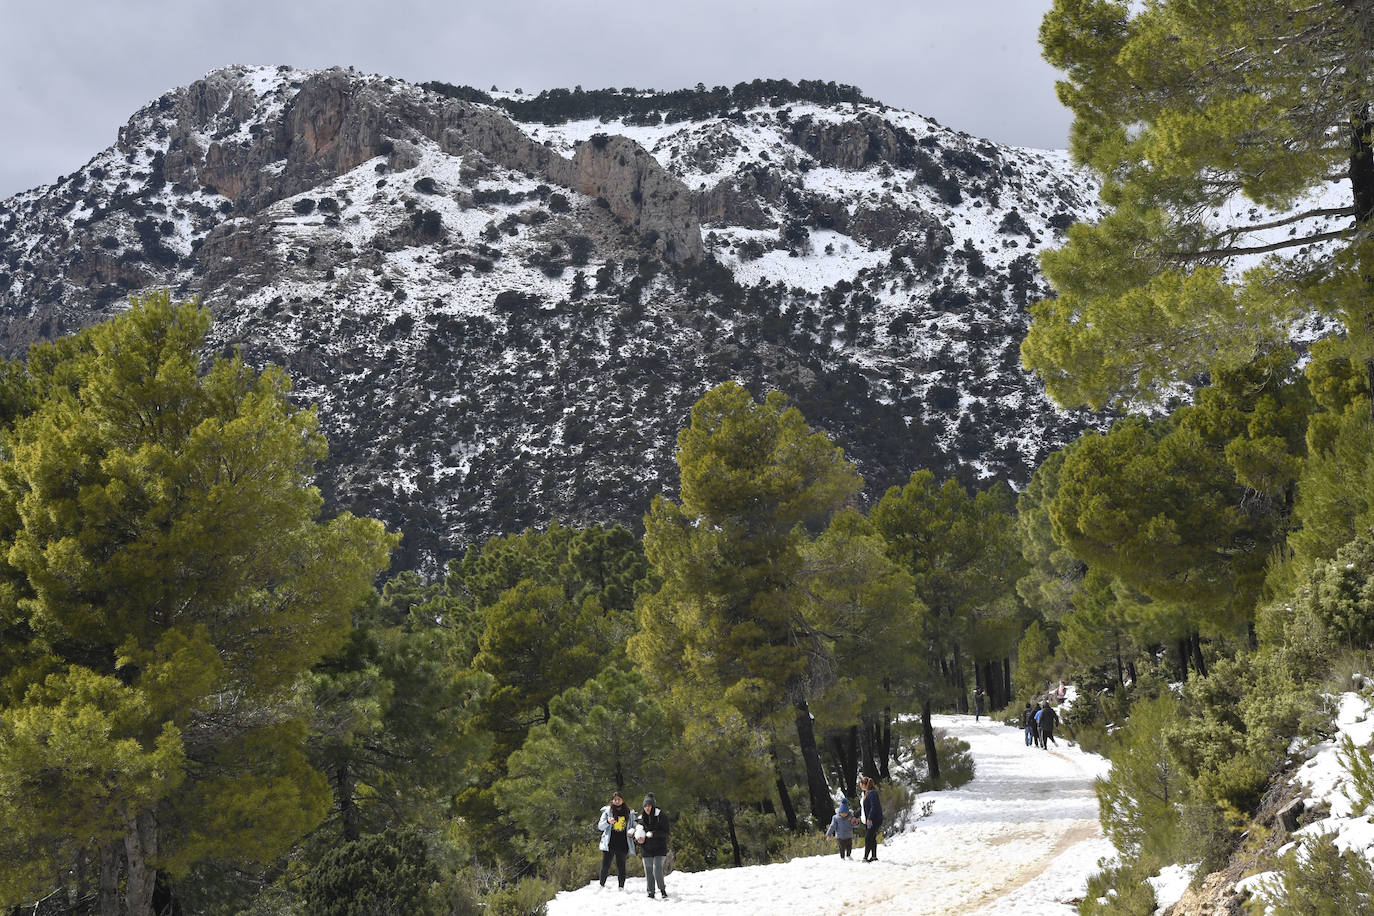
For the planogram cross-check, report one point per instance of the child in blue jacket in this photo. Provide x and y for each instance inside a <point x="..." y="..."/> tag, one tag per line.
<point x="842" y="829"/>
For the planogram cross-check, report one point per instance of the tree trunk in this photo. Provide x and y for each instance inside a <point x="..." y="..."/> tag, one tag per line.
<point x="109" y="880"/>
<point x="1199" y="663"/>
<point x="140" y="848"/>
<point x="868" y="739"/>
<point x="957" y="679"/>
<point x="1362" y="165"/>
<point x="986" y="677"/>
<point x="928" y="736"/>
<point x="165" y="902"/>
<point x="1362" y="192"/>
<point x="847" y="755"/>
<point x="822" y="805"/>
<point x="348" y="807"/>
<point x="729" y="809"/>
<point x="784" y="797"/>
<point x="885" y="758"/>
<point x="1007" y="691"/>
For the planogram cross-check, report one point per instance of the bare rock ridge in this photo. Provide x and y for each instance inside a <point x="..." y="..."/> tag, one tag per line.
<point x="337" y="121"/>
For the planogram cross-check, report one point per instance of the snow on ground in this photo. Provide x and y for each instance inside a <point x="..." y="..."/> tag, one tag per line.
<point x="1022" y="838"/>
<point x="1327" y="780"/>
<point x="1170" y="884"/>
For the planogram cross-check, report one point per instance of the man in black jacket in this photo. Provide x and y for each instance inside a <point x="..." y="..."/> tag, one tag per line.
<point x="1048" y="719"/>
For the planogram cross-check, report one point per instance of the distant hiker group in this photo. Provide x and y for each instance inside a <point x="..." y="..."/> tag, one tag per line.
<point x="647" y="829"/>
<point x="1039" y="722"/>
<point x="645" y="833"/>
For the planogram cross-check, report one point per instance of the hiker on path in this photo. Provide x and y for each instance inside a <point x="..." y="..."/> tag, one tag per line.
<point x="1048" y="719"/>
<point x="873" y="818"/>
<point x="652" y="834"/>
<point x="617" y="825"/>
<point x="842" y="829"/>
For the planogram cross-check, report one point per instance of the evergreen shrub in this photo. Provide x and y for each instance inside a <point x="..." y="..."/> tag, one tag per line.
<point x="700" y="841"/>
<point x="529" y="897"/>
<point x="1208" y="834"/>
<point x="378" y="875"/>
<point x="1359" y="764"/>
<point x="1318" y="879"/>
<point x="956" y="769"/>
<point x="1137" y="800"/>
<point x="573" y="868"/>
<point x="1119" y="891"/>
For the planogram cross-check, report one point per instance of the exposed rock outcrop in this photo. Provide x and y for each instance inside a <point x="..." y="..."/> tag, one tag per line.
<point x="638" y="190"/>
<point x="335" y="120"/>
<point x="853" y="144"/>
<point x="1216" y="896"/>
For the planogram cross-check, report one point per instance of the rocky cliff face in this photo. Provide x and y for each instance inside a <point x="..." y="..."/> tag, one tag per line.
<point x="505" y="322"/>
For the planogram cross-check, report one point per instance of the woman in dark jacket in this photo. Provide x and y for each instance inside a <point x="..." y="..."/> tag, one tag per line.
<point x="1048" y="719"/>
<point x="873" y="818"/>
<point x="654" y="844"/>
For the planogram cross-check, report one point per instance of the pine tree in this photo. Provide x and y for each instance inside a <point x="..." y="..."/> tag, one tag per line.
<point x="165" y="586"/>
<point x="609" y="734"/>
<point x="1187" y="510"/>
<point x="757" y="483"/>
<point x="862" y="606"/>
<point x="964" y="559"/>
<point x="1182" y="108"/>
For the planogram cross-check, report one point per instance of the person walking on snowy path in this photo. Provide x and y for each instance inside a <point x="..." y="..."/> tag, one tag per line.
<point x="842" y="829"/>
<point x="873" y="818"/>
<point x="977" y="703"/>
<point x="1048" y="717"/>
<point x="617" y="825"/>
<point x="652" y="835"/>
<point x="1028" y="723"/>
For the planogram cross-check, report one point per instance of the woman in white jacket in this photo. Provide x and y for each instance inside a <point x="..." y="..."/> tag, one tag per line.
<point x="616" y="824"/>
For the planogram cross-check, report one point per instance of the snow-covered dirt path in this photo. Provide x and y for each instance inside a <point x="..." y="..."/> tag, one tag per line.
<point x="1021" y="839"/>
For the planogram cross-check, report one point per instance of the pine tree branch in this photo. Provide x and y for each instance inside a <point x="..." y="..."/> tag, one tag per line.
<point x="1236" y="251"/>
<point x="1290" y="219"/>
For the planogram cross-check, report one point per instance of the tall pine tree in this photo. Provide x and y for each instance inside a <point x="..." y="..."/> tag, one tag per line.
<point x="165" y="585"/>
<point x="757" y="484"/>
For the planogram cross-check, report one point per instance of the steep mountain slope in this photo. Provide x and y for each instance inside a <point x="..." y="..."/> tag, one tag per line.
<point x="507" y="320"/>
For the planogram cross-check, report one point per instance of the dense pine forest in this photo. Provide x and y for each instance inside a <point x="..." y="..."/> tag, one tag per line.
<point x="214" y="699"/>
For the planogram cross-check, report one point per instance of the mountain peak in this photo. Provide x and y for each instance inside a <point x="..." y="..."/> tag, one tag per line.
<point x="506" y="305"/>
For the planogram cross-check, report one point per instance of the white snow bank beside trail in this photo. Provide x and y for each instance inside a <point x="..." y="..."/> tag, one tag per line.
<point x="1170" y="884"/>
<point x="1021" y="840"/>
<point x="1326" y="779"/>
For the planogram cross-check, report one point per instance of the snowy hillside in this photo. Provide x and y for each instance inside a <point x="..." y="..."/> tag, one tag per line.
<point x="506" y="321"/>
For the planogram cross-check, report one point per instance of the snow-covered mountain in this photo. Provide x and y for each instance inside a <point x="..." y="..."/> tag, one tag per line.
<point x="505" y="306"/>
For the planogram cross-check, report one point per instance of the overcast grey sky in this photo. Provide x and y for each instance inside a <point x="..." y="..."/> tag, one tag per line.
<point x="73" y="71"/>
